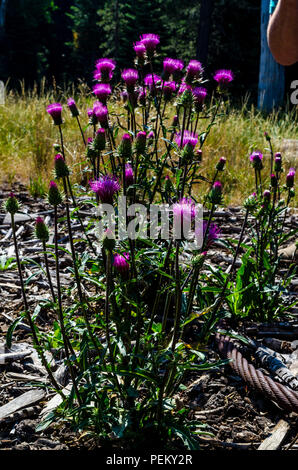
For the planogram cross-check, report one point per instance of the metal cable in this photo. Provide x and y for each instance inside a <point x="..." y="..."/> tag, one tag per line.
<point x="280" y="394"/>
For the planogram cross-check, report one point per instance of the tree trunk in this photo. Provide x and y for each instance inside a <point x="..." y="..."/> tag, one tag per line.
<point x="206" y="10"/>
<point x="271" y="74"/>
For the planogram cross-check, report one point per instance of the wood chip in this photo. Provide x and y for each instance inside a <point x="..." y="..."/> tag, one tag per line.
<point x="274" y="441"/>
<point x="27" y="399"/>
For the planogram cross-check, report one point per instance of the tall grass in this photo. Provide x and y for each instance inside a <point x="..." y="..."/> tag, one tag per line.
<point x="27" y="136"/>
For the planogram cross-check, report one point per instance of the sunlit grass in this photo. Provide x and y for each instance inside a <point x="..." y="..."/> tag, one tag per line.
<point x="27" y="136"/>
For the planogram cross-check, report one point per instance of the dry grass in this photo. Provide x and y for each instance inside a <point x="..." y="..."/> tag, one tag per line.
<point x="27" y="136"/>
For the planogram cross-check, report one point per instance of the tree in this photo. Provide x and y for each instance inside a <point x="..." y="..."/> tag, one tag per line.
<point x="206" y="11"/>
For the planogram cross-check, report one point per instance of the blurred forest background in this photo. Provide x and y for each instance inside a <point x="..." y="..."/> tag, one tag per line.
<point x="64" y="38"/>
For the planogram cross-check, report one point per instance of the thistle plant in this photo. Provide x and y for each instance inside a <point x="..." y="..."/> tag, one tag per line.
<point x="125" y="332"/>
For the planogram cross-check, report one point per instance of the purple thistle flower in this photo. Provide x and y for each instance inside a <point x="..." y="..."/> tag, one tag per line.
<point x="73" y="107"/>
<point x="55" y="111"/>
<point x="152" y="81"/>
<point x="169" y="89"/>
<point x="129" y="176"/>
<point x="104" y="70"/>
<point x="53" y="184"/>
<point x="189" y="138"/>
<point x="105" y="188"/>
<point x="102" y="91"/>
<point x="199" y="94"/>
<point x="290" y="178"/>
<point x="193" y="71"/>
<point x="101" y="113"/>
<point x="150" y="42"/>
<point x="130" y="77"/>
<point x="121" y="264"/>
<point x="139" y="49"/>
<point x="223" y="77"/>
<point x="183" y="87"/>
<point x="184" y="211"/>
<point x="171" y="66"/>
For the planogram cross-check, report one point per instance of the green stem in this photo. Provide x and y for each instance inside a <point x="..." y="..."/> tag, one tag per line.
<point x="48" y="271"/>
<point x="67" y="344"/>
<point x="29" y="318"/>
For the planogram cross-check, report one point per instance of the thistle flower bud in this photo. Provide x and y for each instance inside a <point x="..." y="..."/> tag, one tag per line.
<point x="73" y="107"/>
<point x="41" y="230"/>
<point x="61" y="169"/>
<point x="221" y="164"/>
<point x="277" y="162"/>
<point x="142" y="97"/>
<point x="108" y="240"/>
<point x="266" y="196"/>
<point x="125" y="148"/>
<point x="11" y="205"/>
<point x="251" y="202"/>
<point x="55" y="111"/>
<point x="91" y="153"/>
<point x="99" y="142"/>
<point x="169" y="89"/>
<point x="267" y="136"/>
<point x="256" y="159"/>
<point x="54" y="196"/>
<point x="150" y="137"/>
<point x="186" y="99"/>
<point x="92" y="117"/>
<point x="140" y="143"/>
<point x="175" y="121"/>
<point x="199" y="260"/>
<point x="168" y="184"/>
<point x="273" y="180"/>
<point x="215" y="195"/>
<point x="290" y="178"/>
<point x="57" y="148"/>
<point x="129" y="176"/>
